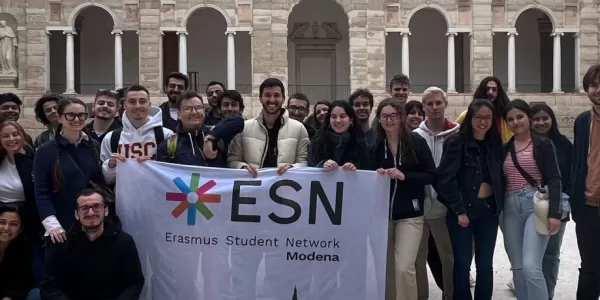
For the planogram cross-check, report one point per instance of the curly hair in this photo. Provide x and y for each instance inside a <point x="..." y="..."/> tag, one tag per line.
<point x="40" y="114"/>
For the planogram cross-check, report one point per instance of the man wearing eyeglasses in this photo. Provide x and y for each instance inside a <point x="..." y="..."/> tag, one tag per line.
<point x="96" y="258"/>
<point x="106" y="104"/>
<point x="175" y="84"/>
<point x="298" y="106"/>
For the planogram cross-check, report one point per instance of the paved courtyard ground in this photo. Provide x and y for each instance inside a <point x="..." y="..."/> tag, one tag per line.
<point x="568" y="275"/>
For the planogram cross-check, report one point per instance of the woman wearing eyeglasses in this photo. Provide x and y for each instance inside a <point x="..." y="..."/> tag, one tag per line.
<point x="64" y="167"/>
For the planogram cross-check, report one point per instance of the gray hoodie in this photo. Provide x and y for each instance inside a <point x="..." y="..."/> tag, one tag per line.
<point x="433" y="209"/>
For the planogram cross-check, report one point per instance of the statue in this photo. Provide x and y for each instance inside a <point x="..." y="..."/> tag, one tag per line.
<point x="9" y="53"/>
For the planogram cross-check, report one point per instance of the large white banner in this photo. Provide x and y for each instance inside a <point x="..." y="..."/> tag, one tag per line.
<point x="217" y="234"/>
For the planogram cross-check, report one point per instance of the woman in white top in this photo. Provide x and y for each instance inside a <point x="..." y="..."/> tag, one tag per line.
<point x="16" y="186"/>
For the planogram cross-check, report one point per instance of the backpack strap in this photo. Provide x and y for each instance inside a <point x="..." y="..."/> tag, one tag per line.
<point x="114" y="140"/>
<point x="159" y="135"/>
<point x="172" y="146"/>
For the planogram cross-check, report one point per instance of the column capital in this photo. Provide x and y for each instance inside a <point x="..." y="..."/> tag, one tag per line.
<point x="182" y="32"/>
<point x="70" y="32"/>
<point x="48" y="32"/>
<point x="576" y="35"/>
<point x="451" y="33"/>
<point x="117" y="32"/>
<point x="232" y="32"/>
<point x="512" y="33"/>
<point x="405" y="32"/>
<point x="555" y="34"/>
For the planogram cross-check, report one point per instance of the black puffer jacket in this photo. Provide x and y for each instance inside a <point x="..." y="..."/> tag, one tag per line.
<point x="408" y="196"/>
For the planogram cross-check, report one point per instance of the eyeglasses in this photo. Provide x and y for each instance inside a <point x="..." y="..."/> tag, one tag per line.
<point x="479" y="119"/>
<point x="390" y="117"/>
<point x="84" y="209"/>
<point x="297" y="108"/>
<point x="72" y="116"/>
<point x="195" y="107"/>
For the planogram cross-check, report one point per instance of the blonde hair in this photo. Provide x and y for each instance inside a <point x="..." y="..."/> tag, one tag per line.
<point x="433" y="90"/>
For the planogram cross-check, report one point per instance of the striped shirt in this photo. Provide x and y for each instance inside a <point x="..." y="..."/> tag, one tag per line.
<point x="514" y="179"/>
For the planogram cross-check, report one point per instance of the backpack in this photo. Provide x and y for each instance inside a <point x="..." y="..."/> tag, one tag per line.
<point x="159" y="136"/>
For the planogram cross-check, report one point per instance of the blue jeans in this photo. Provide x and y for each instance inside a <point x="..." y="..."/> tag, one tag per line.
<point x="482" y="230"/>
<point x="524" y="246"/>
<point x="552" y="259"/>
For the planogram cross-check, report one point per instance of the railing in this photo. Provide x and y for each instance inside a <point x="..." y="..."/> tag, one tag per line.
<point x="321" y="92"/>
<point x="85" y="89"/>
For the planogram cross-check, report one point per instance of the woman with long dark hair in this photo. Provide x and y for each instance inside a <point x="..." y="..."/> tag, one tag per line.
<point x="530" y="166"/>
<point x="414" y="114"/>
<point x="64" y="167"/>
<point x="545" y="124"/>
<point x="471" y="185"/>
<point x="339" y="142"/>
<point x="317" y="117"/>
<point x="405" y="157"/>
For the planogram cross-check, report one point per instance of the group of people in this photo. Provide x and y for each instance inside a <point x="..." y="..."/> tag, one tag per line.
<point x="501" y="164"/>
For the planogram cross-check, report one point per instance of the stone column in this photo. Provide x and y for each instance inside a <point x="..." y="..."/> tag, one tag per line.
<point x="405" y="53"/>
<point x="70" y="63"/>
<point x="556" y="64"/>
<point x="578" y="88"/>
<point x="47" y="63"/>
<point x="451" y="63"/>
<point x="183" y="63"/>
<point x="118" y="59"/>
<point x="511" y="62"/>
<point x="230" y="59"/>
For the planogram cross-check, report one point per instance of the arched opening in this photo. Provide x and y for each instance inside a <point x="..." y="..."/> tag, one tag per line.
<point x="207" y="51"/>
<point x="428" y="51"/>
<point x="94" y="54"/>
<point x="534" y="50"/>
<point x="318" y="50"/>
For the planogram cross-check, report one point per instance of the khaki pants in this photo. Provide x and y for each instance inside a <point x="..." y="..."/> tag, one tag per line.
<point x="439" y="230"/>
<point x="401" y="280"/>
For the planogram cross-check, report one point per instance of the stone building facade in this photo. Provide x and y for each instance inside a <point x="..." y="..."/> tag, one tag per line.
<point x="370" y="22"/>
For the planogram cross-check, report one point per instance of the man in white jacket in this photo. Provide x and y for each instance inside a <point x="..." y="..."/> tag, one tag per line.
<point x="140" y="136"/>
<point x="435" y="130"/>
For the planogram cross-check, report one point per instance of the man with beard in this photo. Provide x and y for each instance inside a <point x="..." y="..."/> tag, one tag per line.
<point x="213" y="114"/>
<point x="491" y="88"/>
<point x="46" y="113"/>
<point x="298" y="106"/>
<point x="97" y="261"/>
<point x="585" y="195"/>
<point x="175" y="84"/>
<point x="271" y="140"/>
<point x="105" y="120"/>
<point x="362" y="102"/>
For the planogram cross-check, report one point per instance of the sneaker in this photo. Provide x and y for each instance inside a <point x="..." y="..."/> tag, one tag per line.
<point x="472" y="280"/>
<point x="511" y="286"/>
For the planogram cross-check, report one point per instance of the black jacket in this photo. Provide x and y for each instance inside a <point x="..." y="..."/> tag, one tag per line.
<point x="544" y="154"/>
<point x="16" y="278"/>
<point x="89" y="129"/>
<point x="579" y="171"/>
<point x="31" y="220"/>
<point x="341" y="149"/>
<point x="105" y="269"/>
<point x="405" y="195"/>
<point x="460" y="176"/>
<point x="167" y="121"/>
<point x="190" y="145"/>
<point x="62" y="204"/>
<point x="46" y="135"/>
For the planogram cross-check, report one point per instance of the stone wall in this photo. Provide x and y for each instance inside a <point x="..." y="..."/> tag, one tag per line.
<point x="267" y="19"/>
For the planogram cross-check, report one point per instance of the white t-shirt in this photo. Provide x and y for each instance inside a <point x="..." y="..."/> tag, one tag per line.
<point x="11" y="187"/>
<point x="174" y="113"/>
